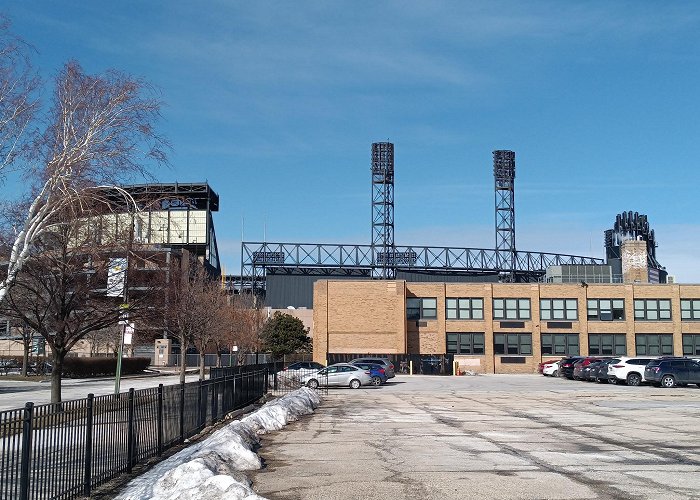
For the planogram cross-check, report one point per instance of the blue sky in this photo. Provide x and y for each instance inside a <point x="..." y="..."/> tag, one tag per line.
<point x="276" y="105"/>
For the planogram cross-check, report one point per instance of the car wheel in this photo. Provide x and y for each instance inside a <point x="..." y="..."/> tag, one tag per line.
<point x="355" y="384"/>
<point x="612" y="381"/>
<point x="313" y="383"/>
<point x="376" y="380"/>
<point x="555" y="373"/>
<point x="668" y="381"/>
<point x="634" y="379"/>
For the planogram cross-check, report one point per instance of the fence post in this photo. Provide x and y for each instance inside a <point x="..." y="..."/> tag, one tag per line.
<point x="199" y="405"/>
<point x="182" y="412"/>
<point x="267" y="378"/>
<point x="87" y="480"/>
<point x="160" y="419"/>
<point x="214" y="400"/>
<point x="26" y="451"/>
<point x="130" y="435"/>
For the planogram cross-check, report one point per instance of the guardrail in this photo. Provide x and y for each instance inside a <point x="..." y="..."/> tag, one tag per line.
<point x="65" y="450"/>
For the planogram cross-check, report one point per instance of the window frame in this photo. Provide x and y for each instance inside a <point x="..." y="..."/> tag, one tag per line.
<point x="694" y="344"/>
<point x="644" y="308"/>
<point x="461" y="313"/>
<point x="692" y="311"/>
<point x="665" y="349"/>
<point x="518" y="311"/>
<point x="472" y="343"/>
<point x="612" y="313"/>
<point x="513" y="339"/>
<point x="617" y="348"/>
<point x="571" y="348"/>
<point x="421" y="308"/>
<point x="565" y="309"/>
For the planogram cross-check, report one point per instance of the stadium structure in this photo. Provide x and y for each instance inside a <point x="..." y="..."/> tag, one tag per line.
<point x="283" y="272"/>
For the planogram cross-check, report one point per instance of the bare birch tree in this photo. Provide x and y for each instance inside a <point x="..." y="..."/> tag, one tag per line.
<point x="100" y="132"/>
<point x="18" y="101"/>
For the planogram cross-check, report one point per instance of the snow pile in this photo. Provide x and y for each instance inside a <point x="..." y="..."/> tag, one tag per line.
<point x="212" y="468"/>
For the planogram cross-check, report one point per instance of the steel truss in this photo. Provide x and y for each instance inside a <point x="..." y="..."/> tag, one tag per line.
<point x="356" y="260"/>
<point x="383" y="208"/>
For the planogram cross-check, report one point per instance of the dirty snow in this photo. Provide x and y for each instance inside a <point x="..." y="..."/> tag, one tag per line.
<point x="212" y="468"/>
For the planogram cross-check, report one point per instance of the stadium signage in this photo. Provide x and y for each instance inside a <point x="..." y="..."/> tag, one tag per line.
<point x="268" y="257"/>
<point x="397" y="258"/>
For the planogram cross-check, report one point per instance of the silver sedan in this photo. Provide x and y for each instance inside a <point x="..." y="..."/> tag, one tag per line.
<point x="340" y="374"/>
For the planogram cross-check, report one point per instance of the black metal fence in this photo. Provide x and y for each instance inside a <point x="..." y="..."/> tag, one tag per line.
<point x="282" y="381"/>
<point x="64" y="450"/>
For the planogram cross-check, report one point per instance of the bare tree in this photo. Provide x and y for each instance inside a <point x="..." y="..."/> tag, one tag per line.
<point x="63" y="291"/>
<point x="18" y="101"/>
<point x="100" y="131"/>
<point x="212" y="311"/>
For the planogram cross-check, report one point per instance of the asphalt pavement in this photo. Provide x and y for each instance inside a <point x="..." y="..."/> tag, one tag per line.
<point x="489" y="437"/>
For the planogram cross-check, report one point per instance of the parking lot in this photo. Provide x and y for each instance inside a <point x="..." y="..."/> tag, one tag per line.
<point x="489" y="436"/>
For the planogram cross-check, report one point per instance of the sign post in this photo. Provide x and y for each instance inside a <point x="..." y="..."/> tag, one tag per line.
<point x="124" y="322"/>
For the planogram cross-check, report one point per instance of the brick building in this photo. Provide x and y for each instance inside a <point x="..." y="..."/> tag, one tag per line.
<point x="502" y="327"/>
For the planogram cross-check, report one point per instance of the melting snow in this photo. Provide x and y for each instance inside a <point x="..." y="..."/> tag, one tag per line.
<point x="212" y="468"/>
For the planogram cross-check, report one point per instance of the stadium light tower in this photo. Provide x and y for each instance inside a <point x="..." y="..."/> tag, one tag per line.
<point x="504" y="177"/>
<point x="383" y="265"/>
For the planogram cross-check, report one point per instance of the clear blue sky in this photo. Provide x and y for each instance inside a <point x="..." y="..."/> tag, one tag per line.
<point x="276" y="105"/>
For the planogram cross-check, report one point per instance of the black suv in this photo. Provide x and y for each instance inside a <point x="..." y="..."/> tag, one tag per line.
<point x="670" y="372"/>
<point x="566" y="366"/>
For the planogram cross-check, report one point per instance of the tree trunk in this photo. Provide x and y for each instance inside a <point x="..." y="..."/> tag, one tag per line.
<point x="56" y="375"/>
<point x="218" y="358"/>
<point x="25" y="359"/>
<point x="183" y="364"/>
<point x="201" y="364"/>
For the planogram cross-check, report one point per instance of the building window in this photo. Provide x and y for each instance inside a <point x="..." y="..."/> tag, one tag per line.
<point x="465" y="343"/>
<point x="690" y="309"/>
<point x="560" y="343"/>
<point x="691" y="345"/>
<point x="652" y="344"/>
<point x="421" y="308"/>
<point x="511" y="308"/>
<point x="558" y="309"/>
<point x="512" y="343"/>
<point x="601" y="344"/>
<point x="464" y="308"/>
<point x="652" y="309"/>
<point x="606" y="309"/>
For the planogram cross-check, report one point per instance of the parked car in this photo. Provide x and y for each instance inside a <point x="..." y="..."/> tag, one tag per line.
<point x="551" y="369"/>
<point x="296" y="371"/>
<point x="340" y="374"/>
<point x="566" y="366"/>
<point x="581" y="367"/>
<point x="599" y="372"/>
<point x="385" y="362"/>
<point x="540" y="367"/>
<point x="670" y="372"/>
<point x="377" y="372"/>
<point x="628" y="370"/>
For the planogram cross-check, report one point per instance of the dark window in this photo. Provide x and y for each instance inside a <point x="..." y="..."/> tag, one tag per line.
<point x="652" y="309"/>
<point x="560" y="343"/>
<point x="464" y="308"/>
<point x="604" y="344"/>
<point x="558" y="309"/>
<point x="465" y="343"/>
<point x="606" y="309"/>
<point x="690" y="309"/>
<point x="421" y="308"/>
<point x="512" y="343"/>
<point x="652" y="344"/>
<point x="511" y="308"/>
<point x="691" y="345"/>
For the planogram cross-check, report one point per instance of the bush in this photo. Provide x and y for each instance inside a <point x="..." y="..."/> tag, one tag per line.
<point x="98" y="367"/>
